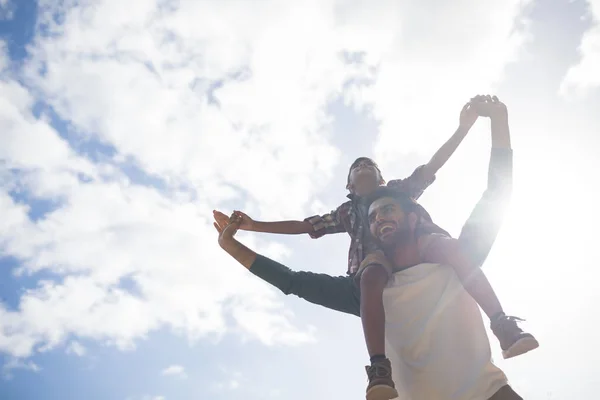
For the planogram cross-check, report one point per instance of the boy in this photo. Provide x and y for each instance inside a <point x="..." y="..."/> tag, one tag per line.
<point x="370" y="267"/>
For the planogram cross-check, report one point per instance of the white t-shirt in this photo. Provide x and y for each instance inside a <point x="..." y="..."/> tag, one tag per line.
<point x="436" y="339"/>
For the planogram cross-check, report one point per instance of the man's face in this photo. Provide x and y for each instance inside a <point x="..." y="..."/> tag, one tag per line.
<point x="388" y="222"/>
<point x="364" y="178"/>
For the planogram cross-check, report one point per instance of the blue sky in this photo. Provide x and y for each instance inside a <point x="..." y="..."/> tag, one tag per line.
<point x="123" y="125"/>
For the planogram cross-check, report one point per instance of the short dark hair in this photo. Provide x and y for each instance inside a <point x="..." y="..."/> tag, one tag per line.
<point x="406" y="202"/>
<point x="357" y="161"/>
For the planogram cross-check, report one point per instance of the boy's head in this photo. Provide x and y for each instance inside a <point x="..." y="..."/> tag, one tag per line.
<point x="393" y="217"/>
<point x="364" y="177"/>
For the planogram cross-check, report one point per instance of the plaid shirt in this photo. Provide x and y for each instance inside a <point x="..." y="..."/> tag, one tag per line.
<point x="350" y="217"/>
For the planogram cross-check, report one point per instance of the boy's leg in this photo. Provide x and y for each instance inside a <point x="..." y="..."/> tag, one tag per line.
<point x="372" y="282"/>
<point x="480" y="231"/>
<point x="373" y="276"/>
<point x="339" y="293"/>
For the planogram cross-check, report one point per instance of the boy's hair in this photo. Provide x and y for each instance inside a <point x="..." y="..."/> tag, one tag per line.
<point x="357" y="161"/>
<point x="406" y="202"/>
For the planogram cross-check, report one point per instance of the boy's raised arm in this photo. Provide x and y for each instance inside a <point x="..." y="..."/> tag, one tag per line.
<point x="468" y="116"/>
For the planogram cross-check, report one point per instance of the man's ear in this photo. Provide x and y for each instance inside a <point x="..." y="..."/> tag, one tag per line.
<point x="413" y="219"/>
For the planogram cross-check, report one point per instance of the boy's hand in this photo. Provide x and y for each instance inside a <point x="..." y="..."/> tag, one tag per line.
<point x="468" y="116"/>
<point x="227" y="229"/>
<point x="490" y="106"/>
<point x="245" y="222"/>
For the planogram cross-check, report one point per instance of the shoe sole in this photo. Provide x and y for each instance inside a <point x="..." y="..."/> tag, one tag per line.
<point x="382" y="392"/>
<point x="521" y="346"/>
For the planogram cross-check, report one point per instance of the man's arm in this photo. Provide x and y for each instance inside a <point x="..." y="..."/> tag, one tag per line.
<point x="481" y="228"/>
<point x="238" y="251"/>
<point x="336" y="293"/>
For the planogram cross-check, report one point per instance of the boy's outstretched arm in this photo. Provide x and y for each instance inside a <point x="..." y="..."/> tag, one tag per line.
<point x="468" y="116"/>
<point x="281" y="227"/>
<point x="316" y="226"/>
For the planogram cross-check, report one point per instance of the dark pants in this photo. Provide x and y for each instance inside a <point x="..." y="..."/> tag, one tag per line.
<point x="506" y="393"/>
<point x="342" y="294"/>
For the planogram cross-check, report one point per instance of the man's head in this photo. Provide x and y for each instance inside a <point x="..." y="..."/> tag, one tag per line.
<point x="364" y="177"/>
<point x="393" y="217"/>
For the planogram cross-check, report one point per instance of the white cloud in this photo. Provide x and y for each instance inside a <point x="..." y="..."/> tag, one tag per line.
<point x="270" y="75"/>
<point x="175" y="370"/>
<point x="100" y="235"/>
<point x="7" y="10"/>
<point x="146" y="397"/>
<point x="224" y="103"/>
<point x="584" y="75"/>
<point x="234" y="381"/>
<point x="76" y="348"/>
<point x="443" y="54"/>
<point x="14" y="363"/>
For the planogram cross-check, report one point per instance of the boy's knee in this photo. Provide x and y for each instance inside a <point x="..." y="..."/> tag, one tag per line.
<point x="376" y="267"/>
<point x="376" y="257"/>
<point x="374" y="275"/>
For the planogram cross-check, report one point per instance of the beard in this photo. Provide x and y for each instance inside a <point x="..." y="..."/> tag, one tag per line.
<point x="402" y="236"/>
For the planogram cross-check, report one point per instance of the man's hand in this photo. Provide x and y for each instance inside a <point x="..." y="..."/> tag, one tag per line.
<point x="490" y="106"/>
<point x="468" y="116"/>
<point x="245" y="222"/>
<point x="227" y="228"/>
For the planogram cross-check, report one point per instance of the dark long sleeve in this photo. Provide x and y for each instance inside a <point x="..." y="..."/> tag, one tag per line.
<point x="337" y="293"/>
<point x="481" y="228"/>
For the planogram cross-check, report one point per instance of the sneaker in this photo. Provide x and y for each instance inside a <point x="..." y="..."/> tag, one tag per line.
<point x="513" y="340"/>
<point x="381" y="386"/>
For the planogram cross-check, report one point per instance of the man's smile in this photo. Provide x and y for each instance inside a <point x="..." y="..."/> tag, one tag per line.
<point x="385" y="229"/>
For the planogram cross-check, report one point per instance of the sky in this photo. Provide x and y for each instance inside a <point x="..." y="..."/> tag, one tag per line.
<point x="124" y="124"/>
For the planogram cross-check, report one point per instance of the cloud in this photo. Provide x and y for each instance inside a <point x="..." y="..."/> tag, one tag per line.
<point x="148" y="119"/>
<point x="7" y="10"/>
<point x="233" y="381"/>
<point x="441" y="56"/>
<point x="175" y="370"/>
<point x="14" y="363"/>
<point x="98" y="236"/>
<point x="76" y="348"/>
<point x="584" y="75"/>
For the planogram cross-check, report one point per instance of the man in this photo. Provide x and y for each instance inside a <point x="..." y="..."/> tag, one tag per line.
<point x="435" y="335"/>
<point x="477" y="236"/>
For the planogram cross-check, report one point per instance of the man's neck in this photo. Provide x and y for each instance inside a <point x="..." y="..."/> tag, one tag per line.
<point x="406" y="254"/>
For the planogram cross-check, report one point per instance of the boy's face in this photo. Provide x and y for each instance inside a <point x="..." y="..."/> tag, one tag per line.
<point x="388" y="222"/>
<point x="364" y="178"/>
